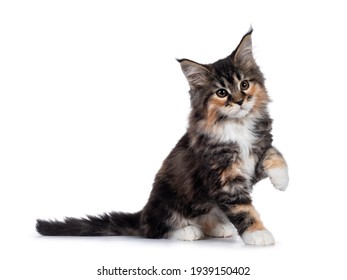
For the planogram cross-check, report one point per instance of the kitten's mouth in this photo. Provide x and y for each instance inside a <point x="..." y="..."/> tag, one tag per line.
<point x="244" y="110"/>
<point x="236" y="111"/>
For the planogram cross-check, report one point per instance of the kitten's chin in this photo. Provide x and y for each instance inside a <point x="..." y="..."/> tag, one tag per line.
<point x="239" y="114"/>
<point x="242" y="113"/>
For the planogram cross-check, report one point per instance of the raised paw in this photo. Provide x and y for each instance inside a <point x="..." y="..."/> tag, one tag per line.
<point x="279" y="177"/>
<point x="188" y="233"/>
<point x="222" y="231"/>
<point x="258" y="237"/>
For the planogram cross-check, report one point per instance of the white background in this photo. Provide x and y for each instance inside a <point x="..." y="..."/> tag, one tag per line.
<point x="92" y="100"/>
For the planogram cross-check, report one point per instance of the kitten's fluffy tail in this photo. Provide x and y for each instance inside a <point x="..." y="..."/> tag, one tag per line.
<point x="115" y="223"/>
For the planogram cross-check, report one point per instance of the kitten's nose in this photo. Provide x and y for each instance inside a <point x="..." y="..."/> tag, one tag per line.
<point x="239" y="102"/>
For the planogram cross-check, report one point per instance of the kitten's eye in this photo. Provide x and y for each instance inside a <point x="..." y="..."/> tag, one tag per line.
<point x="244" y="85"/>
<point x="221" y="93"/>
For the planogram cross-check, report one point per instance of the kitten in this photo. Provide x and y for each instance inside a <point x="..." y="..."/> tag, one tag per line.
<point x="203" y="187"/>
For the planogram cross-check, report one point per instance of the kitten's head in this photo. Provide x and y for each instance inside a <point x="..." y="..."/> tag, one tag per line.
<point x="229" y="89"/>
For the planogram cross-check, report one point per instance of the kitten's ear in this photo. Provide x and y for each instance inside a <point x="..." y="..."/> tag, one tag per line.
<point x="243" y="54"/>
<point x="196" y="74"/>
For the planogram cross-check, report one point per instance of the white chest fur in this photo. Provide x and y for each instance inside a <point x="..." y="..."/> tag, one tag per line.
<point x="237" y="132"/>
<point x="241" y="134"/>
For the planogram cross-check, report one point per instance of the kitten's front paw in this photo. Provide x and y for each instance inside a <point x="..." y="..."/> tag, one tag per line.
<point x="188" y="233"/>
<point x="279" y="177"/>
<point x="258" y="237"/>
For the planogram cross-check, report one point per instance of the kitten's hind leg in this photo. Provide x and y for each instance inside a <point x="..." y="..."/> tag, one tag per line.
<point x="187" y="233"/>
<point x="183" y="228"/>
<point x="216" y="224"/>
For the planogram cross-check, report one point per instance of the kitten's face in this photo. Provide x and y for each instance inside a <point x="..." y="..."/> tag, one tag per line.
<point x="231" y="88"/>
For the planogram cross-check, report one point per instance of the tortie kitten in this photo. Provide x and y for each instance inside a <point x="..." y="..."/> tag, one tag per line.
<point x="203" y="188"/>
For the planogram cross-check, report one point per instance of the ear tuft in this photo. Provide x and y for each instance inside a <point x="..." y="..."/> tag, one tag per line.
<point x="196" y="74"/>
<point x="243" y="54"/>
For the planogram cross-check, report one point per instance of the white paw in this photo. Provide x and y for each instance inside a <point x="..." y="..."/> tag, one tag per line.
<point x="223" y="230"/>
<point x="258" y="237"/>
<point x="188" y="233"/>
<point x="279" y="177"/>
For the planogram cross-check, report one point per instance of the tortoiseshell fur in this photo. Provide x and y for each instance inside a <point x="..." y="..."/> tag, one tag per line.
<point x="203" y="187"/>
